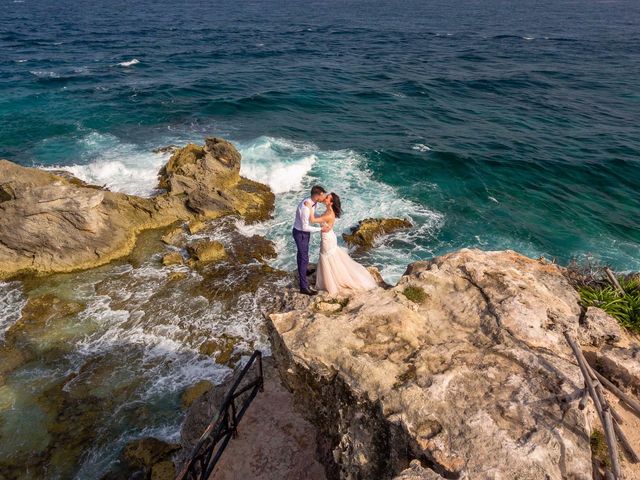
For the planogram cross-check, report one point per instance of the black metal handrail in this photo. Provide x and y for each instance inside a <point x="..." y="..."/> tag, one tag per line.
<point x="217" y="435"/>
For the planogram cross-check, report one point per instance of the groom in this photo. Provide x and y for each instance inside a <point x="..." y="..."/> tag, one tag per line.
<point x="302" y="234"/>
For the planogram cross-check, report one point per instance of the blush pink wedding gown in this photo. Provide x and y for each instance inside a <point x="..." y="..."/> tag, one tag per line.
<point x="337" y="270"/>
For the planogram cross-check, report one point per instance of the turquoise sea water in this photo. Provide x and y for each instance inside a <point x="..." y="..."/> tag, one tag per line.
<point x="495" y="124"/>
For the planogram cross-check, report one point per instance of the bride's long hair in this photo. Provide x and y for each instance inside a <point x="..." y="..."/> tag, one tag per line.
<point x="335" y="204"/>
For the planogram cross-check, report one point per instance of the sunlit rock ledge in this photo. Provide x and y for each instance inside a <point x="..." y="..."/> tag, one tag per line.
<point x="462" y="368"/>
<point x="52" y="222"/>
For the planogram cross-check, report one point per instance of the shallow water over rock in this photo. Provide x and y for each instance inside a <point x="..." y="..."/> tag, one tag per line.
<point x="101" y="357"/>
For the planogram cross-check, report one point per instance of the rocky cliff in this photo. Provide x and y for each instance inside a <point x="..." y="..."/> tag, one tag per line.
<point x="52" y="222"/>
<point x="462" y="366"/>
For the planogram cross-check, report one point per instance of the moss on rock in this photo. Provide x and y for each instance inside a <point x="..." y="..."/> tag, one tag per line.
<point x="367" y="231"/>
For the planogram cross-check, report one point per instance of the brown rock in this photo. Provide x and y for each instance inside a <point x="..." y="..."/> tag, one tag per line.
<point x="196" y="226"/>
<point x="209" y="178"/>
<point x="88" y="226"/>
<point x="174" y="236"/>
<point x="470" y="379"/>
<point x="417" y="472"/>
<point x="194" y="392"/>
<point x="222" y="348"/>
<point x="167" y="149"/>
<point x="147" y="451"/>
<point x="171" y="258"/>
<point x="205" y="251"/>
<point x="365" y="233"/>
<point x="165" y="470"/>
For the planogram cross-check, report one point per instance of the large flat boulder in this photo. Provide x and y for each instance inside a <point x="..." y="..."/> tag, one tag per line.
<point x="51" y="222"/>
<point x="472" y="376"/>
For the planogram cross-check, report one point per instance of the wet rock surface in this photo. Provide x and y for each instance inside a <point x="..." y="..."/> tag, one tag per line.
<point x="473" y="381"/>
<point x="364" y="235"/>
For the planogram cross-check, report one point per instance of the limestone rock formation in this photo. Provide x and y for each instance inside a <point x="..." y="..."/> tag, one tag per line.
<point x="598" y="328"/>
<point x="55" y="223"/>
<point x="474" y="381"/>
<point x="365" y="233"/>
<point x="209" y="179"/>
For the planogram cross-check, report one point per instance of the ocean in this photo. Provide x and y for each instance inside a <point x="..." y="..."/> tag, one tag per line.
<point x="495" y="124"/>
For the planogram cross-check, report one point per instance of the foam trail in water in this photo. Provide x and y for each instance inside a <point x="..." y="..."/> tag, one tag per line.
<point x="129" y="63"/>
<point x="12" y="301"/>
<point x="342" y="171"/>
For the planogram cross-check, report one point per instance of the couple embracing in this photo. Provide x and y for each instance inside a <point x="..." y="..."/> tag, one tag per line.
<point x="336" y="271"/>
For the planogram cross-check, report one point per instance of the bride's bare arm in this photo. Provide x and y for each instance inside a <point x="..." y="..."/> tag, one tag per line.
<point x="321" y="219"/>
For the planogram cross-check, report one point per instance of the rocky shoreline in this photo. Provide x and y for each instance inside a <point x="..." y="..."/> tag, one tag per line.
<point x="460" y="370"/>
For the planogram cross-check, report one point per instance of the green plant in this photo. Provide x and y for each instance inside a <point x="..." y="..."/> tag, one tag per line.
<point x="599" y="448"/>
<point x="415" y="294"/>
<point x="625" y="308"/>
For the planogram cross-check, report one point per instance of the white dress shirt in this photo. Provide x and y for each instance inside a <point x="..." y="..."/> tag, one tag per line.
<point x="302" y="217"/>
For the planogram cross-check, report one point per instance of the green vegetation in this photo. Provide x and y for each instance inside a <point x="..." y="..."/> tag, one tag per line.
<point x="599" y="448"/>
<point x="625" y="308"/>
<point x="415" y="294"/>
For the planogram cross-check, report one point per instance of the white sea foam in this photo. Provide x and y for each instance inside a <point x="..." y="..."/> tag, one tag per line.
<point x="281" y="164"/>
<point x="11" y="302"/>
<point x="345" y="172"/>
<point x="421" y="147"/>
<point x="44" y="74"/>
<point x="119" y="166"/>
<point x="129" y="63"/>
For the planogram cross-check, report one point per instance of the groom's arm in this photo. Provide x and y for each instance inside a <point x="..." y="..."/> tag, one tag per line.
<point x="306" y="216"/>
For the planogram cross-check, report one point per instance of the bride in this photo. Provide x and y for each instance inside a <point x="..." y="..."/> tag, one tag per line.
<point x="336" y="269"/>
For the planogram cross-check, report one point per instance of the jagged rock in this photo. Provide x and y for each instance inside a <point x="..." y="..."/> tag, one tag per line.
<point x="88" y="226"/>
<point x="621" y="365"/>
<point x="365" y="233"/>
<point x="205" y="251"/>
<point x="328" y="307"/>
<point x="417" y="472"/>
<point x="167" y="149"/>
<point x="474" y="379"/>
<point x="209" y="178"/>
<point x="196" y="226"/>
<point x="375" y="273"/>
<point x="171" y="258"/>
<point x="598" y="328"/>
<point x="194" y="392"/>
<point x="147" y="452"/>
<point x="174" y="236"/>
<point x="222" y="348"/>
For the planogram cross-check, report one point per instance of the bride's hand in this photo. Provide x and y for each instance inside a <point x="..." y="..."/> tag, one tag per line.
<point x="325" y="227"/>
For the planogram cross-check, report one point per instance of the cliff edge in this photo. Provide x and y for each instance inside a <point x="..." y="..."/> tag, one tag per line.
<point x="461" y="366"/>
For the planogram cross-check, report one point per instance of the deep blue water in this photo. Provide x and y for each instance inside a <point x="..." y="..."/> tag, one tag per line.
<point x="503" y="124"/>
<point x="493" y="124"/>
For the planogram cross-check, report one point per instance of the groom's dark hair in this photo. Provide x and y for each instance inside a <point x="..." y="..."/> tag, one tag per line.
<point x="317" y="190"/>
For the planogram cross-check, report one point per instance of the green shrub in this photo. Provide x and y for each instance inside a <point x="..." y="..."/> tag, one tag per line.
<point x="415" y="294"/>
<point x="625" y="308"/>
